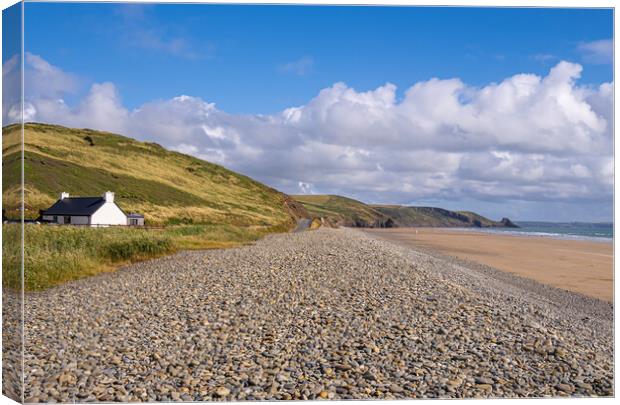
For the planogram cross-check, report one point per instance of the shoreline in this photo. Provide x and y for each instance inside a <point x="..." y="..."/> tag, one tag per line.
<point x="580" y="266"/>
<point x="523" y="234"/>
<point x="489" y="278"/>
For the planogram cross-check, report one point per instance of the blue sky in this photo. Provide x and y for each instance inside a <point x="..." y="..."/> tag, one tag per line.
<point x="220" y="52"/>
<point x="503" y="111"/>
<point x="11" y="31"/>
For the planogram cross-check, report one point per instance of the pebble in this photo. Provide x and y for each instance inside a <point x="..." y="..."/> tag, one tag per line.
<point x="483" y="380"/>
<point x="222" y="392"/>
<point x="370" y="376"/>
<point x="329" y="314"/>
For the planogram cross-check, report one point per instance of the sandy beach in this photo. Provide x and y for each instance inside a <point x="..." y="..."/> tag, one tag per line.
<point x="578" y="266"/>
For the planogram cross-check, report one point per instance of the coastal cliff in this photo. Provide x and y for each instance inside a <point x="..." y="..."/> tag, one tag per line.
<point x="342" y="211"/>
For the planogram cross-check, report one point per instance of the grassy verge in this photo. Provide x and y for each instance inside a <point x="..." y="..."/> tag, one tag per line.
<point x="57" y="254"/>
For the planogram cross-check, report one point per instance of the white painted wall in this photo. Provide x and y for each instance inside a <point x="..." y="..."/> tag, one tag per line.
<point x="108" y="214"/>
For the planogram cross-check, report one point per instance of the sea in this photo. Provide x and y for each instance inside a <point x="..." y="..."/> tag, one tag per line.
<point x="598" y="232"/>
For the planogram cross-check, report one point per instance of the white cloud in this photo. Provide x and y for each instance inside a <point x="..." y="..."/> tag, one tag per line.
<point x="305" y="188"/>
<point x="45" y="79"/>
<point x="526" y="138"/>
<point x="299" y="67"/>
<point x="600" y="51"/>
<point x="185" y="148"/>
<point x="11" y="90"/>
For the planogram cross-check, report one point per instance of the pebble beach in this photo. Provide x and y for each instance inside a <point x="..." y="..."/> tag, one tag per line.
<point x="325" y="314"/>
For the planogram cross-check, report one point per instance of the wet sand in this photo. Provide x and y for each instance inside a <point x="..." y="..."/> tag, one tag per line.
<point x="579" y="266"/>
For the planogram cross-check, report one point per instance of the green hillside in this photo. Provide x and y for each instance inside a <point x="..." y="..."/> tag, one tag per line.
<point x="343" y="211"/>
<point x="167" y="187"/>
<point x="197" y="204"/>
<point x="435" y="217"/>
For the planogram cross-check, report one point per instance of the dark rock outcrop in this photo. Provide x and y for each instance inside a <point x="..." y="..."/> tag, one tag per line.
<point x="507" y="223"/>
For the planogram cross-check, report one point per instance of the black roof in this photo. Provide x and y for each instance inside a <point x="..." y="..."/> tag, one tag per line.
<point x="75" y="206"/>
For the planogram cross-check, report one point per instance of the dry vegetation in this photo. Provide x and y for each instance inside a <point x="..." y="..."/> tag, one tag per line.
<point x="57" y="254"/>
<point x="343" y="211"/>
<point x="199" y="205"/>
<point x="168" y="187"/>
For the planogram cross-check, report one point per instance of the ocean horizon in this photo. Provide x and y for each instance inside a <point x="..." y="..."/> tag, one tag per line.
<point x="592" y="231"/>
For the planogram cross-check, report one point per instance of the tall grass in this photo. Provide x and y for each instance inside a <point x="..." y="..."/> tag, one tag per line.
<point x="57" y="254"/>
<point x="203" y="236"/>
<point x="11" y="254"/>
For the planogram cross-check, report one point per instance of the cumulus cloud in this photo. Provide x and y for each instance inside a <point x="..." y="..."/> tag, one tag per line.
<point x="45" y="79"/>
<point x="527" y="138"/>
<point x="305" y="188"/>
<point x="600" y="51"/>
<point x="11" y="90"/>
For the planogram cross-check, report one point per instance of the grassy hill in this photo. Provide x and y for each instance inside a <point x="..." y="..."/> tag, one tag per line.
<point x="348" y="212"/>
<point x="435" y="217"/>
<point x="167" y="187"/>
<point x="343" y="211"/>
<point x="199" y="204"/>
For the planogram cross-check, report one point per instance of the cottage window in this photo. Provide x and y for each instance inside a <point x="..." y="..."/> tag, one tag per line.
<point x="67" y="219"/>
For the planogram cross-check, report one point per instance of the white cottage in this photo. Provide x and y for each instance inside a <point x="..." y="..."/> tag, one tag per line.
<point x="93" y="211"/>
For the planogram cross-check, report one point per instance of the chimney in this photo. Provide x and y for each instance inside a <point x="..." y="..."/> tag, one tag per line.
<point x="64" y="195"/>
<point x="108" y="196"/>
